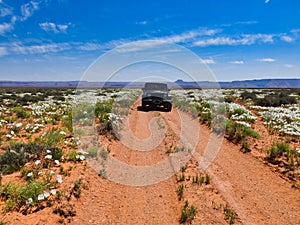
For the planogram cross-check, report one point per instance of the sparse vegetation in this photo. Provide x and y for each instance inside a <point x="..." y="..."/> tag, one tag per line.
<point x="229" y="215"/>
<point x="18" y="195"/>
<point x="188" y="213"/>
<point x="36" y="138"/>
<point x="180" y="191"/>
<point x="284" y="156"/>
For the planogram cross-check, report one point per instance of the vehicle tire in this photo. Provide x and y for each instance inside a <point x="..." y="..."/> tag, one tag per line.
<point x="168" y="106"/>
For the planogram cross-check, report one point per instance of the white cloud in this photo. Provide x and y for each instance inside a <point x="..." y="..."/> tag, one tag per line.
<point x="238" y="62"/>
<point x="19" y="48"/>
<point x="55" y="28"/>
<point x="249" y="22"/>
<point x="28" y="9"/>
<point x="207" y="61"/>
<point x="144" y="22"/>
<point x="286" y="38"/>
<point x="5" y="11"/>
<point x="295" y="31"/>
<point x="3" y="51"/>
<point x="266" y="60"/>
<point x="189" y="35"/>
<point x="90" y="46"/>
<point x="267" y="1"/>
<point x="245" y="39"/>
<point x="6" y="27"/>
<point x="288" y="65"/>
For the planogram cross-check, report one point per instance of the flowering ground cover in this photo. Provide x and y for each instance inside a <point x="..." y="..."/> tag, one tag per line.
<point x="41" y="131"/>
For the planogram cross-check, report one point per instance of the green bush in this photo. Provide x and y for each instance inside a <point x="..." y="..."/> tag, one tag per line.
<point x="73" y="156"/>
<point x="188" y="213"/>
<point x="229" y="215"/>
<point x="282" y="152"/>
<point x="279" y="98"/>
<point x="21" y="113"/>
<point x="12" y="161"/>
<point x="102" y="109"/>
<point x="16" y="195"/>
<point x="52" y="137"/>
<point x="180" y="191"/>
<point x="67" y="121"/>
<point x="57" y="153"/>
<point x="237" y="132"/>
<point x="92" y="151"/>
<point x="248" y="95"/>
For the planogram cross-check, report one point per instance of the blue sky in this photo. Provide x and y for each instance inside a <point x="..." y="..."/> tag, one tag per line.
<point x="59" y="39"/>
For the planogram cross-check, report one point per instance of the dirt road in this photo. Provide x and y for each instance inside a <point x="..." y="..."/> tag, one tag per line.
<point x="252" y="190"/>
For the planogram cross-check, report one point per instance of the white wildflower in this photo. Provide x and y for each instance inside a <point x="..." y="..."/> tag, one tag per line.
<point x="29" y="201"/>
<point x="46" y="194"/>
<point x="41" y="197"/>
<point x="53" y="191"/>
<point x="48" y="157"/>
<point x="62" y="132"/>
<point x="29" y="174"/>
<point x="59" y="179"/>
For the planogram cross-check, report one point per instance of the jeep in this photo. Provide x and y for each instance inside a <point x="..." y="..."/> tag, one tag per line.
<point x="156" y="96"/>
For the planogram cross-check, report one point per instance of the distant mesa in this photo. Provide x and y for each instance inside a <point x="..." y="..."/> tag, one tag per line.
<point x="263" y="83"/>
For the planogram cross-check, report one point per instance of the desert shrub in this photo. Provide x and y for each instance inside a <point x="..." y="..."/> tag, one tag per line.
<point x="52" y="137"/>
<point x="275" y="100"/>
<point x="277" y="150"/>
<point x="20" y="113"/>
<point x="82" y="112"/>
<point x="79" y="132"/>
<point x="280" y="152"/>
<point x="76" y="190"/>
<point x="207" y="179"/>
<point x="102" y="109"/>
<point x="59" y="98"/>
<point x="183" y="169"/>
<point x="180" y="191"/>
<point x="102" y="173"/>
<point x="26" y="99"/>
<point x="248" y="95"/>
<point x="179" y="149"/>
<point x="188" y="213"/>
<point x="229" y="215"/>
<point x="228" y="99"/>
<point x="12" y="161"/>
<point x="67" y="121"/>
<point x="17" y="195"/>
<point x="104" y="153"/>
<point x="198" y="179"/>
<point x="73" y="155"/>
<point x="18" y="154"/>
<point x="237" y="132"/>
<point x="57" y="153"/>
<point x="92" y="151"/>
<point x="109" y="121"/>
<point x="181" y="177"/>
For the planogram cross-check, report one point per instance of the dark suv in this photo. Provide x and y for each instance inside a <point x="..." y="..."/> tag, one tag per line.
<point x="156" y="96"/>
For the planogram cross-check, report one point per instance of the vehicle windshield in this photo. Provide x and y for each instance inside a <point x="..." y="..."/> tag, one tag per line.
<point x="156" y="86"/>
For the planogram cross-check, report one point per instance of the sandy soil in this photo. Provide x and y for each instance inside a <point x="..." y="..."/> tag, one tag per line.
<point x="241" y="181"/>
